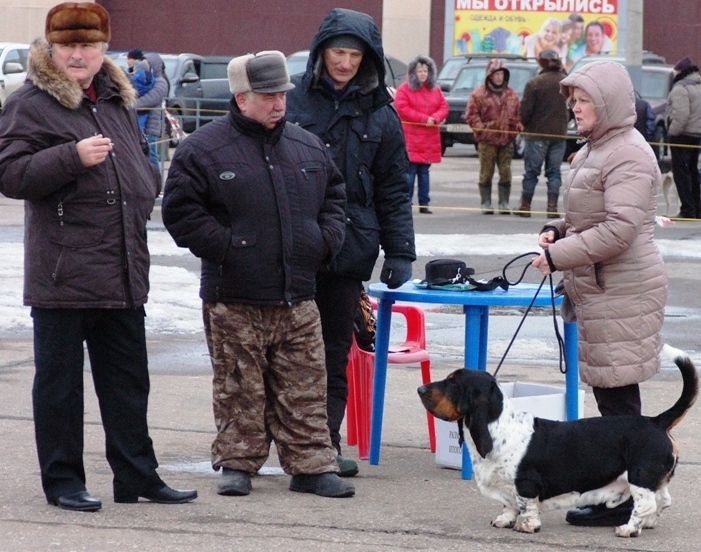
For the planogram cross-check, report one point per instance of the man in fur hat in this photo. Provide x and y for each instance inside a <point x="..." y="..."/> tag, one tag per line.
<point x="684" y="131"/>
<point x="71" y="148"/>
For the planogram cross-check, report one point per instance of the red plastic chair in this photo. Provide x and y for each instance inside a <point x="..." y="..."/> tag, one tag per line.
<point x="360" y="371"/>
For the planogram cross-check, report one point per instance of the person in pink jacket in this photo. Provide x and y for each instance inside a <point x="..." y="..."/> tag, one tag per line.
<point x="422" y="108"/>
<point x="613" y="273"/>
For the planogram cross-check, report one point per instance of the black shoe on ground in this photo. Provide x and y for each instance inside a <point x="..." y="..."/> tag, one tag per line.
<point x="600" y="516"/>
<point x="234" y="483"/>
<point x="425" y="211"/>
<point x="77" y="502"/>
<point x="346" y="466"/>
<point x="323" y="484"/>
<point x="164" y="495"/>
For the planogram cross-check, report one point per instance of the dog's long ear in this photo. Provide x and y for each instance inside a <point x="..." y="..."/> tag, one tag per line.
<point x="477" y="424"/>
<point x="487" y="405"/>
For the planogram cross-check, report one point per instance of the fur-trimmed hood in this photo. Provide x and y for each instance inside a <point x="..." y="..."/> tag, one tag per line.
<point x="45" y="75"/>
<point x="413" y="80"/>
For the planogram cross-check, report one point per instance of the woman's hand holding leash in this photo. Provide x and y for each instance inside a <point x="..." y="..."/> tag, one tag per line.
<point x="541" y="262"/>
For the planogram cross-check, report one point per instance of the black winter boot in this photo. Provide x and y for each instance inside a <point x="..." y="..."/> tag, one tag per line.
<point x="552" y="206"/>
<point x="524" y="209"/>
<point x="504" y="193"/>
<point x="486" y="199"/>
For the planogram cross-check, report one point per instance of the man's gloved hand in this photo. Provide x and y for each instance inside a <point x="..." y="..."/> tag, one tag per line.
<point x="395" y="271"/>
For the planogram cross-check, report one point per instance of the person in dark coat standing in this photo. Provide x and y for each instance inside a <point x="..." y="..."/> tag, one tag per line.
<point x="342" y="99"/>
<point x="261" y="203"/>
<point x="684" y="131"/>
<point x="543" y="113"/>
<point x="71" y="148"/>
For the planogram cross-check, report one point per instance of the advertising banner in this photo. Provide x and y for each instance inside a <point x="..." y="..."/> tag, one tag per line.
<point x="573" y="28"/>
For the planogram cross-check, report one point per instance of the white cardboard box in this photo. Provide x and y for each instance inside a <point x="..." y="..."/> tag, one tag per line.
<point x="543" y="401"/>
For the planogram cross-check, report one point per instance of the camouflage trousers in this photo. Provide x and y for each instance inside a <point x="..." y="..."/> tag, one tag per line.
<point x="491" y="156"/>
<point x="269" y="383"/>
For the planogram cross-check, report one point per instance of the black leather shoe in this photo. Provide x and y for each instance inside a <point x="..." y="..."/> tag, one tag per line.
<point x="601" y="516"/>
<point x="78" y="502"/>
<point x="164" y="495"/>
<point x="425" y="211"/>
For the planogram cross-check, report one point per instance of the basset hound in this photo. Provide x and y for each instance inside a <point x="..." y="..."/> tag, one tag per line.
<point x="531" y="464"/>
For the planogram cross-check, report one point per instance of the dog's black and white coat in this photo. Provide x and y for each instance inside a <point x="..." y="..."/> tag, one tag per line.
<point x="530" y="464"/>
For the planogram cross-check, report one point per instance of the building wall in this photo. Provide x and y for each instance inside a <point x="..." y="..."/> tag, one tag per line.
<point x="672" y="28"/>
<point x="23" y="20"/>
<point x="223" y="27"/>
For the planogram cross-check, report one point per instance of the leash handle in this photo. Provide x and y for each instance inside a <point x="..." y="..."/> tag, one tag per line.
<point x="560" y="340"/>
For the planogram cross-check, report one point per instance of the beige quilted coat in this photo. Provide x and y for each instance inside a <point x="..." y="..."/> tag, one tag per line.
<point x="613" y="272"/>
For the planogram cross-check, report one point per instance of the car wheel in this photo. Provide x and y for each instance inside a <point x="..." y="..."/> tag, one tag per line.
<point x="519" y="147"/>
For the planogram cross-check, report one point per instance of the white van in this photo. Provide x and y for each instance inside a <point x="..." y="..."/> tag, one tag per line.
<point x="13" y="68"/>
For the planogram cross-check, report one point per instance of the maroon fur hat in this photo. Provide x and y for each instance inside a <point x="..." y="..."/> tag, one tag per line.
<point x="77" y="22"/>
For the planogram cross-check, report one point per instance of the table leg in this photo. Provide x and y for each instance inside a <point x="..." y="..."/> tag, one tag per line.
<point x="476" y="336"/>
<point x="484" y="337"/>
<point x="475" y="341"/>
<point x="384" y="323"/>
<point x="572" y="376"/>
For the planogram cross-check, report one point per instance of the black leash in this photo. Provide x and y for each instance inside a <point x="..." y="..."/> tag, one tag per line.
<point x="560" y="341"/>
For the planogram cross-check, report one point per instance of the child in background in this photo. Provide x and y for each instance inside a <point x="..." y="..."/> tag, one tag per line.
<point x="142" y="80"/>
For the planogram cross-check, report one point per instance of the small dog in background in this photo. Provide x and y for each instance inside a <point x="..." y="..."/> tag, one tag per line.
<point x="669" y="188"/>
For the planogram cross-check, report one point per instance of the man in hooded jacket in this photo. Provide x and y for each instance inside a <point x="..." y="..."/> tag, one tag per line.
<point x="492" y="112"/>
<point x="342" y="99"/>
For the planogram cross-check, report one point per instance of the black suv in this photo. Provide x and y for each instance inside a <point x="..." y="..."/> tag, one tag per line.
<point x="452" y="65"/>
<point x="456" y="130"/>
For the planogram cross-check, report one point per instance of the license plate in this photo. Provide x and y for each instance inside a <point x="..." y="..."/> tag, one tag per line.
<point x="457" y="128"/>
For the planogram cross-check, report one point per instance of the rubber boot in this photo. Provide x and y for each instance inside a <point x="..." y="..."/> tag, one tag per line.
<point x="504" y="193"/>
<point x="552" y="206"/>
<point x="486" y="199"/>
<point x="524" y="209"/>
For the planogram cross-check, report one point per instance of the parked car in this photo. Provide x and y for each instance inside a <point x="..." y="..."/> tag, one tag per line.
<point x="451" y="66"/>
<point x="395" y="69"/>
<point x="655" y="84"/>
<point x="456" y="130"/>
<point x="13" y="68"/>
<point x="199" y="89"/>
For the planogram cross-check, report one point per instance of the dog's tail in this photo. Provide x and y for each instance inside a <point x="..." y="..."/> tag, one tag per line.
<point x="669" y="418"/>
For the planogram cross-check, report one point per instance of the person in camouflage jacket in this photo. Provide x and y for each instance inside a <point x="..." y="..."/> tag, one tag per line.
<point x="493" y="114"/>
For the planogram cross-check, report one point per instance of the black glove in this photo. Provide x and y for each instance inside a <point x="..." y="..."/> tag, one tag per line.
<point x="395" y="271"/>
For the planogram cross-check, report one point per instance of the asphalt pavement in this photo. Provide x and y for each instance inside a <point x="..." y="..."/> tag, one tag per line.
<point x="407" y="502"/>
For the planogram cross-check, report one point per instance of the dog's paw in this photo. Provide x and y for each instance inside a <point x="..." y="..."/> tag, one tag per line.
<point x="528" y="524"/>
<point x="505" y="520"/>
<point x="626" y="531"/>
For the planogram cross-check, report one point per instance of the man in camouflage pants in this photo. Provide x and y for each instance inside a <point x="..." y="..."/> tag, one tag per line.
<point x="493" y="113"/>
<point x="262" y="204"/>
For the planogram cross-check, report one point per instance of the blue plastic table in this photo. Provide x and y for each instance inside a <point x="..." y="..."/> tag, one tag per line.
<point x="476" y="307"/>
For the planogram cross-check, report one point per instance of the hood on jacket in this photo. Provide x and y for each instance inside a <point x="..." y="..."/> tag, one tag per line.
<point x="158" y="66"/>
<point x="685" y="72"/>
<point x="341" y="21"/>
<point x="413" y="80"/>
<point x="494" y="65"/>
<point x="47" y="76"/>
<point x="611" y="90"/>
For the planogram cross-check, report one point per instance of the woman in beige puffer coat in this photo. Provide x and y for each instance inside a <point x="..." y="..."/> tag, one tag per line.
<point x="614" y="275"/>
